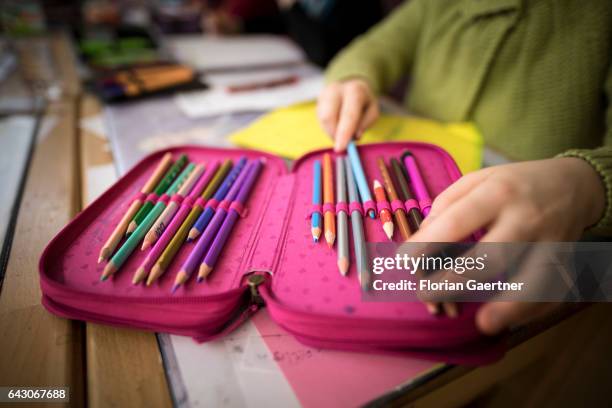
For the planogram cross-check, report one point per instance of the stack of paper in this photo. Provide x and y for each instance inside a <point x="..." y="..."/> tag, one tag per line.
<point x="205" y="52"/>
<point x="218" y="100"/>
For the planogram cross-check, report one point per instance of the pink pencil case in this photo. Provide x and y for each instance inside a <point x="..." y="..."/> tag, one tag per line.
<point x="269" y="260"/>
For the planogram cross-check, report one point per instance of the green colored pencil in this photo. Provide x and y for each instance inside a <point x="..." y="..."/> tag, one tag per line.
<point x="178" y="239"/>
<point x="161" y="187"/>
<point x="132" y="242"/>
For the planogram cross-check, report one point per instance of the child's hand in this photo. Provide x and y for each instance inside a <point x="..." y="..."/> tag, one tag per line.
<point x="346" y="109"/>
<point x="545" y="200"/>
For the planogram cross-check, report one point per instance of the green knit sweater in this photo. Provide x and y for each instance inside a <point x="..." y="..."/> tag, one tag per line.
<point x="534" y="75"/>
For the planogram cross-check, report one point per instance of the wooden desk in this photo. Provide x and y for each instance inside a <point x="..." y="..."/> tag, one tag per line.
<point x="552" y="364"/>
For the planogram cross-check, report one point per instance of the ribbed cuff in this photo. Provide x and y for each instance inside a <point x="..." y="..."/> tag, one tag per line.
<point x="601" y="160"/>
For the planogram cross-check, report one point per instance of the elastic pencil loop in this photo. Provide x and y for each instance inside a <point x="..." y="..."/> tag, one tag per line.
<point x="200" y="202"/>
<point x="164" y="199"/>
<point x="382" y="205"/>
<point x="188" y="201"/>
<point x="224" y="204"/>
<point x="140" y="196"/>
<point x="329" y="207"/>
<point x="397" y="205"/>
<point x="239" y="208"/>
<point x="410" y="204"/>
<point x="356" y="206"/>
<point x="369" y="205"/>
<point x="316" y="208"/>
<point x="152" y="197"/>
<point x="212" y="203"/>
<point x="342" y="206"/>
<point x="177" y="198"/>
<point x="425" y="204"/>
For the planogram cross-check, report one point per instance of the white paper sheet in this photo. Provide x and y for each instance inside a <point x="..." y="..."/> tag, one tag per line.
<point x="205" y="52"/>
<point x="217" y="101"/>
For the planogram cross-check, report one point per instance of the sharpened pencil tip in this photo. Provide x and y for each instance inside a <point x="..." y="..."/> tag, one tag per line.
<point x="330" y="237"/>
<point x="200" y="279"/>
<point x="103" y="278"/>
<point x="145" y="245"/>
<point x="372" y="215"/>
<point x="131" y="228"/>
<point x="315" y="239"/>
<point x="343" y="266"/>
<point x="175" y="287"/>
<point x="388" y="228"/>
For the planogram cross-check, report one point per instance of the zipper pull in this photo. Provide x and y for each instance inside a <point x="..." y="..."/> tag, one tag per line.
<point x="254" y="281"/>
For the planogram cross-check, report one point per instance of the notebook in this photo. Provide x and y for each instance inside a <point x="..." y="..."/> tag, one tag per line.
<point x="293" y="131"/>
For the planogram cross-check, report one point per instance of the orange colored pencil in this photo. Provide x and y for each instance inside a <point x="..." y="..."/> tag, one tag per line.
<point x="399" y="214"/>
<point x="122" y="226"/>
<point x="329" y="217"/>
<point x="385" y="215"/>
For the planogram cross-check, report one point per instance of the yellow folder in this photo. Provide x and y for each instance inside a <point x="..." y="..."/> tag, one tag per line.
<point x="293" y="131"/>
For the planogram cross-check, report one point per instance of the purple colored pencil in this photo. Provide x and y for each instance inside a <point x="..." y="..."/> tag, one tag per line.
<point x="176" y="222"/>
<point x="198" y="251"/>
<point x="228" y="224"/>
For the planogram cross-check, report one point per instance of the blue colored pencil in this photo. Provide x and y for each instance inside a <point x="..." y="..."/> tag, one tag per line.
<point x="315" y="219"/>
<point x="207" y="214"/>
<point x="360" y="178"/>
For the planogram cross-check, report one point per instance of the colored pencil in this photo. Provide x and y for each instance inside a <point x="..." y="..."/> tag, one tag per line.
<point x="359" y="176"/>
<point x="199" y="249"/>
<point x="315" y="219"/>
<point x="161" y="187"/>
<point x="329" y="217"/>
<point x="165" y="259"/>
<point x="343" y="243"/>
<point x="130" y="244"/>
<point x="169" y="233"/>
<point x="400" y="213"/>
<point x="415" y="218"/>
<point x="165" y="218"/>
<point x="361" y="252"/>
<point x="414" y="215"/>
<point x="205" y="217"/>
<point x="415" y="178"/>
<point x="228" y="224"/>
<point x="115" y="237"/>
<point x="385" y="215"/>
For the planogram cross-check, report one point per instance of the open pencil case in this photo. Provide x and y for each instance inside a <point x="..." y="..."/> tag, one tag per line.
<point x="270" y="259"/>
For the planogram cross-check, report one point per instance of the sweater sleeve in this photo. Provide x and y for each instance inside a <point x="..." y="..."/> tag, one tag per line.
<point x="601" y="160"/>
<point x="385" y="53"/>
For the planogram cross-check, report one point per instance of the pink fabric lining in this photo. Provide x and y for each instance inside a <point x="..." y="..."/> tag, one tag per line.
<point x="329" y="207"/>
<point x="239" y="208"/>
<point x="356" y="206"/>
<point x="316" y="208"/>
<point x="342" y="206"/>
<point x="425" y="204"/>
<point x="188" y="201"/>
<point x="140" y="196"/>
<point x="369" y="205"/>
<point x="382" y="205"/>
<point x="212" y="203"/>
<point x="165" y="198"/>
<point x="152" y="197"/>
<point x="410" y="204"/>
<point x="177" y="198"/>
<point x="224" y="204"/>
<point x="397" y="205"/>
